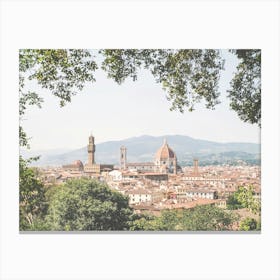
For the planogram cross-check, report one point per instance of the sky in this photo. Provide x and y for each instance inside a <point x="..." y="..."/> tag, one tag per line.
<point x="113" y="112"/>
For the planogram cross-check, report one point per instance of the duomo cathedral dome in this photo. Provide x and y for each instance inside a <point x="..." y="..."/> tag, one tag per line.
<point x="165" y="153"/>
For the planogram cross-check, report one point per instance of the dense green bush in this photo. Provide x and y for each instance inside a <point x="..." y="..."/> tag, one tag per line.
<point x="32" y="199"/>
<point x="199" y="218"/>
<point x="86" y="204"/>
<point x="248" y="224"/>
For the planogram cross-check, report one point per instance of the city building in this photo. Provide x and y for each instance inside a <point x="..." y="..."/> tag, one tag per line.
<point x="165" y="161"/>
<point x="157" y="185"/>
<point x="91" y="167"/>
<point x="77" y="165"/>
<point x="196" y="193"/>
<point x="138" y="196"/>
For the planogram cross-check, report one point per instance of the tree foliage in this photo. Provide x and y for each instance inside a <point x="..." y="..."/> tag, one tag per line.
<point x="248" y="224"/>
<point x="145" y="222"/>
<point x="245" y="92"/>
<point x="32" y="200"/>
<point x="86" y="204"/>
<point x="63" y="72"/>
<point x="244" y="198"/>
<point x="208" y="217"/>
<point x="199" y="218"/>
<point x="189" y="76"/>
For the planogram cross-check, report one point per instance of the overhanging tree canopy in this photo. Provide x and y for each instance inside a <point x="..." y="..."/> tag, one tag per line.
<point x="189" y="76"/>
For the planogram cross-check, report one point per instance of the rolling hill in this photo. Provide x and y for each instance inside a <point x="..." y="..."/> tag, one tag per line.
<point x="143" y="148"/>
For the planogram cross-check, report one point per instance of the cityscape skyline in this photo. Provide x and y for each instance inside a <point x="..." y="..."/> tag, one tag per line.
<point x="112" y="112"/>
<point x="184" y="24"/>
<point x="154" y="187"/>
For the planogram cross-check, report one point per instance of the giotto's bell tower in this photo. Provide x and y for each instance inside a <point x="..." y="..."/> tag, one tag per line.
<point x="123" y="158"/>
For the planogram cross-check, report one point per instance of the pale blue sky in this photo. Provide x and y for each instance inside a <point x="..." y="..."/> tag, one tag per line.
<point x="114" y="112"/>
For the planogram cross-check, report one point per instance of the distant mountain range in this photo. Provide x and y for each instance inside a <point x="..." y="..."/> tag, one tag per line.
<point x="143" y="148"/>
